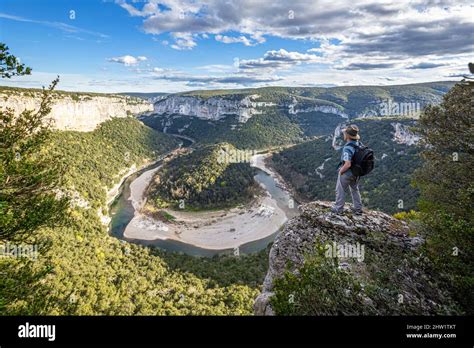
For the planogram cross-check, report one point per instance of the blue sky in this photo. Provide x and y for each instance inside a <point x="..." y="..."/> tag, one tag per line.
<point x="176" y="45"/>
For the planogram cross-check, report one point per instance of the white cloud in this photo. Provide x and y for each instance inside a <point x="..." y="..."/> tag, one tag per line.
<point x="279" y="59"/>
<point x="148" y="9"/>
<point x="384" y="31"/>
<point x="183" y="42"/>
<point x="217" y="68"/>
<point x="376" y="40"/>
<point x="229" y="39"/>
<point x="236" y="80"/>
<point x="127" y="60"/>
<point x="68" y="28"/>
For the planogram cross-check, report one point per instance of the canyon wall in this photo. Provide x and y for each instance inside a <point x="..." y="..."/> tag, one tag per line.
<point x="213" y="108"/>
<point x="365" y="246"/>
<point x="75" y="111"/>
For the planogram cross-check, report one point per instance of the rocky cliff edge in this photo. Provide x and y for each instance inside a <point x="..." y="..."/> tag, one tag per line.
<point x="388" y="243"/>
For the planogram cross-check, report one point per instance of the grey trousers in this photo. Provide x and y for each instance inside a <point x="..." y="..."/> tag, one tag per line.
<point x="343" y="182"/>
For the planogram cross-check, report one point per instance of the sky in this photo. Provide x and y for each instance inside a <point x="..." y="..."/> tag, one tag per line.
<point x="177" y="45"/>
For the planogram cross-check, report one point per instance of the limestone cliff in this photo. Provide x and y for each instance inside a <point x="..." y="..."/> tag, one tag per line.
<point x="217" y="107"/>
<point x="75" y="111"/>
<point x="295" y="108"/>
<point x="385" y="246"/>
<point x="403" y="135"/>
<point x="213" y="108"/>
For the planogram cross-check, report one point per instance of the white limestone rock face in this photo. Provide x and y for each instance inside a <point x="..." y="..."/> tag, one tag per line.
<point x="81" y="113"/>
<point x="294" y="109"/>
<point x="337" y="136"/>
<point x="213" y="108"/>
<point x="321" y="167"/>
<point x="403" y="135"/>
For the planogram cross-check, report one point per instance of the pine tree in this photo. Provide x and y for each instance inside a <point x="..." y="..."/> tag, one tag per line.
<point x="447" y="188"/>
<point x="29" y="175"/>
<point x="10" y="65"/>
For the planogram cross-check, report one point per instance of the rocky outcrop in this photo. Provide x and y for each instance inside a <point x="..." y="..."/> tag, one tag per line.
<point x="213" y="108"/>
<point x="294" y="109"/>
<point x="320" y="108"/>
<point x="373" y="235"/>
<point x="80" y="112"/>
<point x="403" y="135"/>
<point x="337" y="136"/>
<point x="321" y="167"/>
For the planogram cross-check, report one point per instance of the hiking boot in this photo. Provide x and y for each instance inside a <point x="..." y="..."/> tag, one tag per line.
<point x="336" y="211"/>
<point x="356" y="211"/>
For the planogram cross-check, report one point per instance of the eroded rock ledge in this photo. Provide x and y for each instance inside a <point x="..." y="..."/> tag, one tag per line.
<point x="76" y="111"/>
<point x="383" y="236"/>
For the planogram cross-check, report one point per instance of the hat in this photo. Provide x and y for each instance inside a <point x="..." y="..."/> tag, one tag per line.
<point x="352" y="131"/>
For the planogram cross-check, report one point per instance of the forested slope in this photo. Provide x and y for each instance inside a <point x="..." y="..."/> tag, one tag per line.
<point x="81" y="269"/>
<point x="311" y="167"/>
<point x="274" y="127"/>
<point x="205" y="179"/>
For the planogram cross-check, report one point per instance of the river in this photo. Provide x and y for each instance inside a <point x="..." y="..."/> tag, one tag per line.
<point x="243" y="231"/>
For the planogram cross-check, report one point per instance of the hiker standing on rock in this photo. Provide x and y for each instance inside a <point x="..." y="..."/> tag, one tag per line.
<point x="356" y="160"/>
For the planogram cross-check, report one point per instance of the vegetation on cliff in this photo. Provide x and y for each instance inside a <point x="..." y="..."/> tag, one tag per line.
<point x="424" y="266"/>
<point x="272" y="128"/>
<point x="96" y="160"/>
<point x="329" y="264"/>
<point x="28" y="175"/>
<point x="207" y="178"/>
<point x="81" y="270"/>
<point x="387" y="188"/>
<point x="447" y="190"/>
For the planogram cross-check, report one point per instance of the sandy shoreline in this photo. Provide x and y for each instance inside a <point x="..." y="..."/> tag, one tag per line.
<point x="215" y="230"/>
<point x="113" y="192"/>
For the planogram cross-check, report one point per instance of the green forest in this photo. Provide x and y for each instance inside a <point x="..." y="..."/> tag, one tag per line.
<point x="206" y="178"/>
<point x="96" y="159"/>
<point x="383" y="189"/>
<point x="443" y="217"/>
<point x="82" y="270"/>
<point x="271" y="128"/>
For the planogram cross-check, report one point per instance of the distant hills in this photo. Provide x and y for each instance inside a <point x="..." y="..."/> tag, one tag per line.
<point x="150" y="97"/>
<point x="354" y="100"/>
<point x="262" y="117"/>
<point x="311" y="167"/>
<point x="312" y="118"/>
